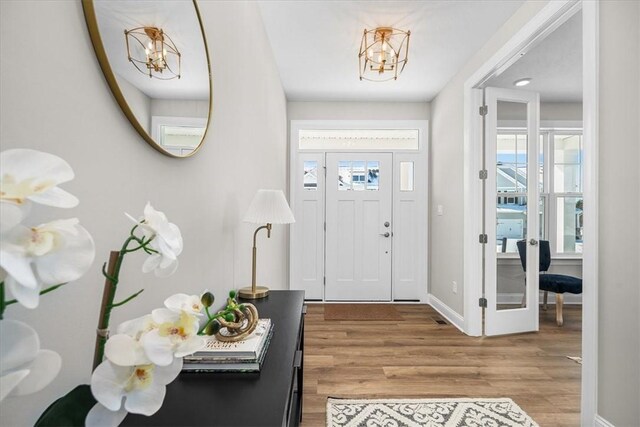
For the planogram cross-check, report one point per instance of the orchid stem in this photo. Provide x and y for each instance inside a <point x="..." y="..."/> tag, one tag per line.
<point x="113" y="277"/>
<point x="3" y="304"/>
<point x="124" y="301"/>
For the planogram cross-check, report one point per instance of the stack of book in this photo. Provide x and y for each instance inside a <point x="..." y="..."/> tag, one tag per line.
<point x="240" y="356"/>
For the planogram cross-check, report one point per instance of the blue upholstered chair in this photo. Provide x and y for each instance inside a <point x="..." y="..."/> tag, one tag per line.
<point x="557" y="283"/>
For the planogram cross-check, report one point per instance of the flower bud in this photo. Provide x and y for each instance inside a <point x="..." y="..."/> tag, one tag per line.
<point x="207" y="299"/>
<point x="212" y="328"/>
<point x="232" y="294"/>
<point x="230" y="317"/>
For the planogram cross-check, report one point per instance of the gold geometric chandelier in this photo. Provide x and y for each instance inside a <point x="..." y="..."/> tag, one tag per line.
<point x="153" y="52"/>
<point x="383" y="53"/>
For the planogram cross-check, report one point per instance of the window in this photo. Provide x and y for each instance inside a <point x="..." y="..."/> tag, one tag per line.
<point x="310" y="179"/>
<point x="567" y="192"/>
<point x="178" y="135"/>
<point x="358" y="175"/>
<point x="406" y="176"/>
<point x="560" y="180"/>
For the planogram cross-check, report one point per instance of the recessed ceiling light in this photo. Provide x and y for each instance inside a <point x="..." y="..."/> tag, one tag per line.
<point x="522" y="82"/>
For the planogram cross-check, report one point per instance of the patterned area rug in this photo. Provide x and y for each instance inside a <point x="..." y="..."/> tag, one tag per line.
<point x="426" y="413"/>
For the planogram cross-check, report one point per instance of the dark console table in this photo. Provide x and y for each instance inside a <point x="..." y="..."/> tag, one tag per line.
<point x="272" y="397"/>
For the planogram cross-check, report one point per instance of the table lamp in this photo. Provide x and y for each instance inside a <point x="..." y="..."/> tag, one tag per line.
<point x="267" y="207"/>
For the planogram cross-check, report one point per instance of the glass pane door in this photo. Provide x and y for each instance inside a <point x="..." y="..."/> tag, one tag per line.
<point x="512" y="213"/>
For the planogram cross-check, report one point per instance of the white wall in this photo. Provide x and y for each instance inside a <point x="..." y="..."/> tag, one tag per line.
<point x="549" y="111"/>
<point x="179" y="108"/>
<point x="68" y="110"/>
<point x="561" y="111"/>
<point x="358" y="110"/>
<point x="619" y="204"/>
<point x="447" y="139"/>
<point x="138" y="101"/>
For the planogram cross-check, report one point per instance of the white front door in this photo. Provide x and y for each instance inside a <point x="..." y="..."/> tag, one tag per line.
<point x="359" y="226"/>
<point x="512" y="204"/>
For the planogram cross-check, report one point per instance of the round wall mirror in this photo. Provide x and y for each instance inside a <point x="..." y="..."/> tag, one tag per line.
<point x="154" y="56"/>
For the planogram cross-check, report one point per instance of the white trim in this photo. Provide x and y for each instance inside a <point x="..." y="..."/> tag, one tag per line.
<point x="599" y="421"/>
<point x="472" y="191"/>
<point x="590" y="72"/>
<point x="445" y="311"/>
<point x="472" y="271"/>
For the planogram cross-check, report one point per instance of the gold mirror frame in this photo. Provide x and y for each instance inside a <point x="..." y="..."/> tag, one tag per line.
<point x="92" y="25"/>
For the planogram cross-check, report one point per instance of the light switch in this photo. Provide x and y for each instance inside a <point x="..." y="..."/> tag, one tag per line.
<point x="440" y="210"/>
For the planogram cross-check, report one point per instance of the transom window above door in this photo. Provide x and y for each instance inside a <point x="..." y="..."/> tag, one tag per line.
<point x="359" y="139"/>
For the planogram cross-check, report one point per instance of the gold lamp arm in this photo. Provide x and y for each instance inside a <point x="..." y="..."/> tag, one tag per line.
<point x="255" y="251"/>
<point x="255" y="291"/>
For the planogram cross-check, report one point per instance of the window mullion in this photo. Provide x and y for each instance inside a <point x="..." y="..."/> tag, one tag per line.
<point x="550" y="166"/>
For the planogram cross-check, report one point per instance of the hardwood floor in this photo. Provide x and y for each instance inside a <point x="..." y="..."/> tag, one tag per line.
<point x="418" y="357"/>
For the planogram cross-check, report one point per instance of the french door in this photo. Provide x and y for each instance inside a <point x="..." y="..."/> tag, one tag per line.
<point x="512" y="209"/>
<point x="358" y="226"/>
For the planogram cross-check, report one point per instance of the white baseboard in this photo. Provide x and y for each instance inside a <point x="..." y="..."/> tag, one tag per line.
<point x="516" y="298"/>
<point x="445" y="311"/>
<point x="601" y="422"/>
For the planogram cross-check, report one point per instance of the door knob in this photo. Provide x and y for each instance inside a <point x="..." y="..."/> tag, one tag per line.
<point x="387" y="224"/>
<point x="533" y="242"/>
<point x="387" y="234"/>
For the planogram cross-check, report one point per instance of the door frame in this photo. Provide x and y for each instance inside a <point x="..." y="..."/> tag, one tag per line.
<point x="547" y="20"/>
<point x="420" y="156"/>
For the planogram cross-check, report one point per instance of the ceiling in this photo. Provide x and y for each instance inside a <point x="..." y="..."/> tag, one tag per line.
<point x="178" y="19"/>
<point x="316" y="44"/>
<point x="554" y="65"/>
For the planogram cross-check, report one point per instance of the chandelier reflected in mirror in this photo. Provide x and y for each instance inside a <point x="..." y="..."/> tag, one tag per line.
<point x="153" y="52"/>
<point x="384" y="52"/>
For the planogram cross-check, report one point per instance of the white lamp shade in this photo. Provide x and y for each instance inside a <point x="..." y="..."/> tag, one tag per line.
<point x="269" y="207"/>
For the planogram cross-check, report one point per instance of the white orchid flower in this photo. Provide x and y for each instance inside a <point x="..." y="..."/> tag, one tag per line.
<point x="183" y="302"/>
<point x="164" y="264"/>
<point x="100" y="416"/>
<point x="142" y="387"/>
<point x="167" y="241"/>
<point x="124" y="348"/>
<point x="11" y="215"/>
<point x="56" y="252"/>
<point x="175" y="336"/>
<point x="24" y="367"/>
<point x="31" y="176"/>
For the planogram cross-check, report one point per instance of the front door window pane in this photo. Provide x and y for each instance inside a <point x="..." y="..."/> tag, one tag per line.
<point x="344" y="175"/>
<point x="406" y="176"/>
<point x="373" y="174"/>
<point x="358" y="175"/>
<point x="310" y="179"/>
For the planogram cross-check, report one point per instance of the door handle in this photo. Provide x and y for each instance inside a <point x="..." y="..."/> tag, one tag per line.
<point x="387" y="234"/>
<point x="533" y="242"/>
